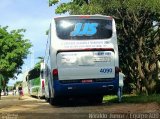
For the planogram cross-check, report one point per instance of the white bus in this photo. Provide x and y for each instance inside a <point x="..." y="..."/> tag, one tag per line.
<point x="81" y="58"/>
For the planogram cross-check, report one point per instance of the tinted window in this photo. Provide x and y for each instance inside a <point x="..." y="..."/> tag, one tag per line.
<point x="34" y="73"/>
<point x="42" y="74"/>
<point x="83" y="28"/>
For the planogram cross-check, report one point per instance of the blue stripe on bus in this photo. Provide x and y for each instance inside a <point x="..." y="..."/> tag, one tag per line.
<point x="80" y="89"/>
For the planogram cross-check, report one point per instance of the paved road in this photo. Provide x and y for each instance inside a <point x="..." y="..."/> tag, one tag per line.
<point x="32" y="108"/>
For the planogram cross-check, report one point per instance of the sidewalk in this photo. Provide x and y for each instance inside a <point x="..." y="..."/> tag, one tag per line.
<point x="16" y="97"/>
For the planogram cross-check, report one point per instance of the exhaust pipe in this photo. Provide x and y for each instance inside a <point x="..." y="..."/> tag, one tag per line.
<point x="110" y="87"/>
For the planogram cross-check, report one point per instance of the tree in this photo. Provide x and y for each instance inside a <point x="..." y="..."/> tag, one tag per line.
<point x="139" y="40"/>
<point x="17" y="83"/>
<point x="13" y="49"/>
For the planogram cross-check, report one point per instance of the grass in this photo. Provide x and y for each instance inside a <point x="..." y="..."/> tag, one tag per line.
<point x="134" y="98"/>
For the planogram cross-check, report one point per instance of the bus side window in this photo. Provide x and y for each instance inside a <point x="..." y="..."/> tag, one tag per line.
<point x="42" y="75"/>
<point x="27" y="78"/>
<point x="46" y="71"/>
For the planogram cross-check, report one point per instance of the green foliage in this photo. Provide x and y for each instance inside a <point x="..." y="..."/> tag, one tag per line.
<point x="17" y="83"/>
<point x="134" y="98"/>
<point x="38" y="64"/>
<point x="1" y="81"/>
<point x="63" y="8"/>
<point x="158" y="86"/>
<point x="53" y="2"/>
<point x="13" y="49"/>
<point x="10" y="88"/>
<point x="139" y="42"/>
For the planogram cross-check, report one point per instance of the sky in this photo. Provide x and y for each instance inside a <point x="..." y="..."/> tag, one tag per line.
<point x="34" y="16"/>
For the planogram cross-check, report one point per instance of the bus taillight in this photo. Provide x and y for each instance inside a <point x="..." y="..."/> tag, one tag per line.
<point x="55" y="72"/>
<point x="117" y="69"/>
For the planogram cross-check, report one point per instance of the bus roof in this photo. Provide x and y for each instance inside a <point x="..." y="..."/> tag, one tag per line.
<point x="85" y="16"/>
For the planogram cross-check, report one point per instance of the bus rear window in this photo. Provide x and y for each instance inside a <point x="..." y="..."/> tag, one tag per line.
<point x="77" y="29"/>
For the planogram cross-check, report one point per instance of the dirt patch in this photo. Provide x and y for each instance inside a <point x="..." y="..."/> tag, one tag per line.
<point x="30" y="107"/>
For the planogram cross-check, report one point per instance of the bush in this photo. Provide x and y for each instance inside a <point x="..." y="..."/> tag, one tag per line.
<point x="157" y="88"/>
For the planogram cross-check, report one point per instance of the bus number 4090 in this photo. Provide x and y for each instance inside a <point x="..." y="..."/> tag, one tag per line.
<point x="106" y="70"/>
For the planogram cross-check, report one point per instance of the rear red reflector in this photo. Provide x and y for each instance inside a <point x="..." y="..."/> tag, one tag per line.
<point x="109" y="18"/>
<point x="84" y="17"/>
<point x="87" y="81"/>
<point x="55" y="72"/>
<point x="43" y="84"/>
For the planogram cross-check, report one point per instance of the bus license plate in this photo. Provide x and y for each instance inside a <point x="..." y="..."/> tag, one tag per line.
<point x="87" y="81"/>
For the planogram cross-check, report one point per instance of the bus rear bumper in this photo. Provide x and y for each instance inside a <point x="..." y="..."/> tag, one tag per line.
<point x="83" y="89"/>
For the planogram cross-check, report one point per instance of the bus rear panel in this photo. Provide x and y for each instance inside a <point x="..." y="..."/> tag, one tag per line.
<point x="83" y="56"/>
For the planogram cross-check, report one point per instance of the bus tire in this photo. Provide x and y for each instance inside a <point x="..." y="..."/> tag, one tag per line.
<point x="95" y="99"/>
<point x="99" y="99"/>
<point x="52" y="101"/>
<point x="46" y="99"/>
<point x="55" y="101"/>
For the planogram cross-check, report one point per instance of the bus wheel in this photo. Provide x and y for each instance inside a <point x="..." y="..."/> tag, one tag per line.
<point x="47" y="99"/>
<point x="119" y="94"/>
<point x="52" y="101"/>
<point x="55" y="101"/>
<point x="96" y="99"/>
<point x="99" y="99"/>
